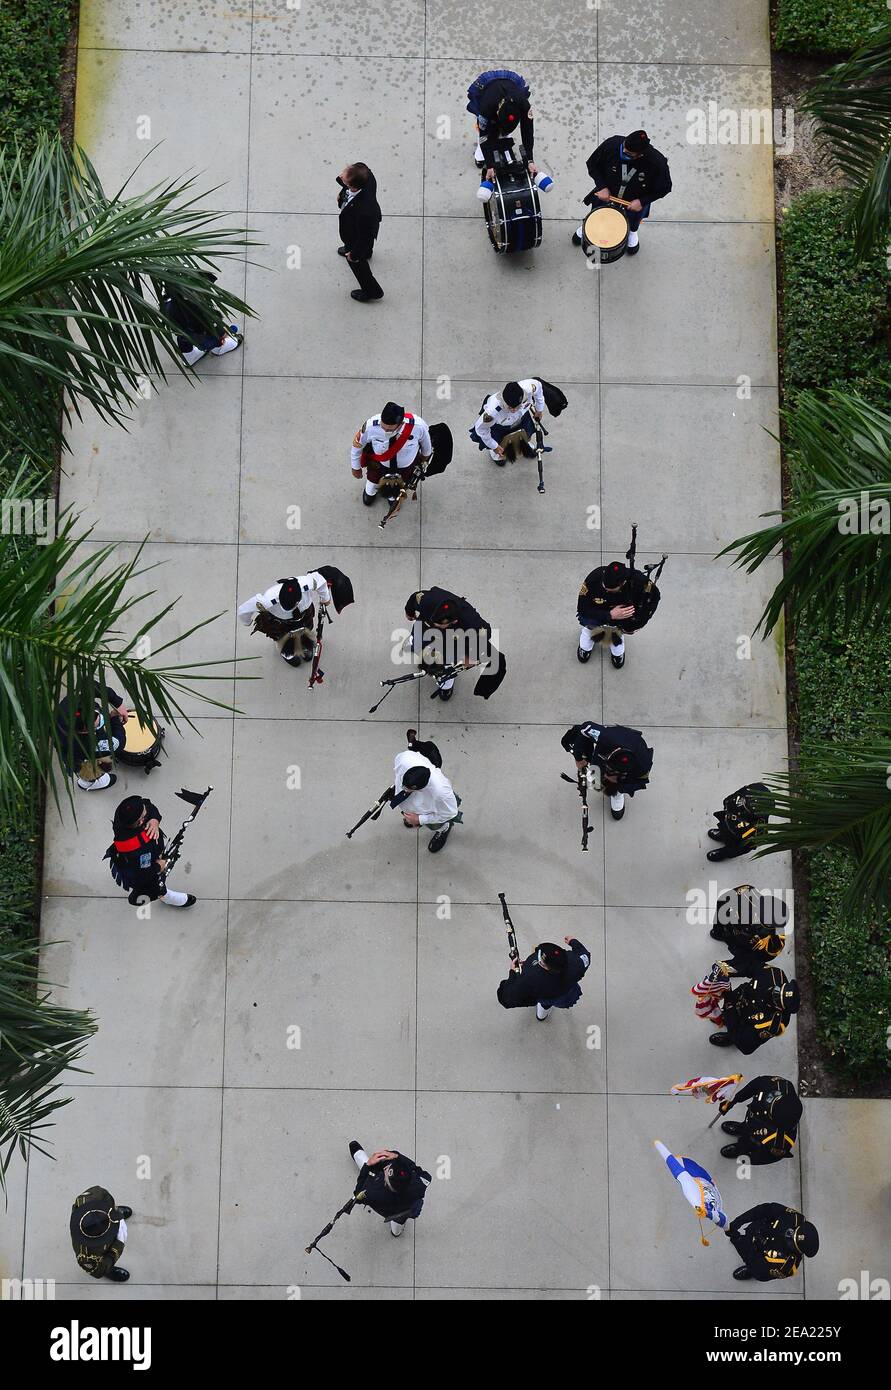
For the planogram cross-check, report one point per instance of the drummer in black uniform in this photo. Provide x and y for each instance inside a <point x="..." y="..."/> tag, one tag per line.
<point x="617" y="600"/>
<point x="499" y="99"/>
<point x="91" y="763"/>
<point x="629" y="168"/>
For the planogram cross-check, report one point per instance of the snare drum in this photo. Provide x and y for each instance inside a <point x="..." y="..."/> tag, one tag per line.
<point x="143" y="744"/>
<point x="513" y="213"/>
<point x="605" y="233"/>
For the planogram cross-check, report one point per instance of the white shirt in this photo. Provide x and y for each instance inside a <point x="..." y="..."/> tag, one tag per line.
<point x="310" y="584"/>
<point x="432" y="804"/>
<point x="373" y="433"/>
<point x="495" y="412"/>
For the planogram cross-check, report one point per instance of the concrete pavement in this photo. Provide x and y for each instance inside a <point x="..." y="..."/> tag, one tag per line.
<point x="384" y="958"/>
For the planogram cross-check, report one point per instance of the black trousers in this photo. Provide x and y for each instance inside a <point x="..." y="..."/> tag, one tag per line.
<point x="367" y="282"/>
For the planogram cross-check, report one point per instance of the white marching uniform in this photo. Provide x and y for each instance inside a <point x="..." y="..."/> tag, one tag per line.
<point x="434" y="804"/>
<point x="373" y="433"/>
<point x="310" y="585"/>
<point x="495" y="412"/>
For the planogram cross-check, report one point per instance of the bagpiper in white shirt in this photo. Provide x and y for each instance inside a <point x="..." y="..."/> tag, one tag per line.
<point x="507" y="410"/>
<point x="386" y="443"/>
<point x="427" y="799"/>
<point x="290" y="601"/>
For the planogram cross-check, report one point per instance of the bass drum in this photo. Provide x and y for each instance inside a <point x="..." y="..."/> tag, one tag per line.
<point x="513" y="213"/>
<point x="143" y="744"/>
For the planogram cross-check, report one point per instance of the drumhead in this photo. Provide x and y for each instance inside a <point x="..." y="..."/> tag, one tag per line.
<point x="140" y="737"/>
<point x="605" y="227"/>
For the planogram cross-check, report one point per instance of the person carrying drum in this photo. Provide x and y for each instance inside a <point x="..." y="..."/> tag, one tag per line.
<point x="629" y="168"/>
<point x="507" y="420"/>
<point x="389" y="443"/>
<point x="91" y="766"/>
<point x="136" y="856"/>
<point x="499" y="99"/>
<point x="617" y="600"/>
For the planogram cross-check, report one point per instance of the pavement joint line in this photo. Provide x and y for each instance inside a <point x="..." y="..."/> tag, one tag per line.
<point x="422" y="58"/>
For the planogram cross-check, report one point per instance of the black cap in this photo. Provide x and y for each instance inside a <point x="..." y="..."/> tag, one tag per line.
<point x="508" y="113"/>
<point x="614" y="575"/>
<point x="290" y="593"/>
<point x="444" y="612"/>
<point x="392" y="414"/>
<point x="129" y="811"/>
<point x="416" y="777"/>
<point x="552" y="955"/>
<point x="806" y="1239"/>
<point x="512" y="394"/>
<point x="397" y="1175"/>
<point x="790" y="996"/>
<point x="637" y="142"/>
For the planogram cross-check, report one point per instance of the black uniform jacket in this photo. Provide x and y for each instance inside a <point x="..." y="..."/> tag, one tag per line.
<point x="595" y="742"/>
<point x="488" y="104"/>
<point x="647" y="179"/>
<point x="759" y="1237"/>
<point x="770" y="1127"/>
<point x="134" y="858"/>
<point x="391" y="1204"/>
<point x="535" y="985"/>
<point x="360" y="219"/>
<point x="751" y="1016"/>
<point x="76" y="746"/>
<point x="96" y="1256"/>
<point x="596" y="602"/>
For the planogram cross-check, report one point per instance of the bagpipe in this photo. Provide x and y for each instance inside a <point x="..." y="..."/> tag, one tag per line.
<point x="357" y="1199"/>
<point x="341" y="596"/>
<point x="512" y="948"/>
<point x="396" y="487"/>
<point x="440" y="675"/>
<point x="427" y="749"/>
<point x="651" y="573"/>
<point x="173" y="848"/>
<point x="581" y="783"/>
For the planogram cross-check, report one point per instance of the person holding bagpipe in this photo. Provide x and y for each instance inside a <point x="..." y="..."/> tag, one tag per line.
<point x="769" y="1130"/>
<point x="286" y="612"/>
<point x="620" y="755"/>
<point x="389" y="443"/>
<point x="631" y="169"/>
<point x="90" y="759"/>
<point x="771" y="1240"/>
<point x="423" y="793"/>
<point x="392" y="1185"/>
<point x="743" y="814"/>
<point x="548" y="978"/>
<point x="447" y="631"/>
<point x="139" y="856"/>
<point x="617" y="599"/>
<point x="507" y="420"/>
<point x="748" y="922"/>
<point x="757" y="1011"/>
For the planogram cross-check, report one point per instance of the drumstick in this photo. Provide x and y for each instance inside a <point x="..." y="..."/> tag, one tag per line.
<point x="623" y="202"/>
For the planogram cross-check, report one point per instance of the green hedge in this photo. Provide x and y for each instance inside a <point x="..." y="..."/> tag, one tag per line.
<point x="834" y="325"/>
<point x="33" y="35"/>
<point x="827" y="26"/>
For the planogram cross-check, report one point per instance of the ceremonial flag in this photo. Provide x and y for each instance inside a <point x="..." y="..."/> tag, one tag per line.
<point x="711" y="1088"/>
<point x="709" y="992"/>
<point x="697" y="1186"/>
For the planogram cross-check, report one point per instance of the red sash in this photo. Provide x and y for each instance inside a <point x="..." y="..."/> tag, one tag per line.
<point x="135" y="842"/>
<point x="397" y="442"/>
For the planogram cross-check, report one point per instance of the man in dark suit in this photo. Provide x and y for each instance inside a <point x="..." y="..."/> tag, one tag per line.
<point x="360" y="219"/>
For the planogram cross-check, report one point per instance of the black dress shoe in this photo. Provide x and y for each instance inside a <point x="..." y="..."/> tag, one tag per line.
<point x="118" y="1275"/>
<point x="719" y="1039"/>
<point x="576" y="239"/>
<point x="731" y="1151"/>
<point x="732" y="1127"/>
<point x="715" y="934"/>
<point x="742" y="1273"/>
<point x="583" y="656"/>
<point x="633" y="250"/>
<point x="126" y="1212"/>
<point x="355" y="1146"/>
<point x="446" y="695"/>
<point x="618" y="661"/>
<point x="438" y="840"/>
<point x="364" y="296"/>
<point x="189" y="902"/>
<point x="716" y="855"/>
<point x="716" y="834"/>
<point x="369" y="498"/>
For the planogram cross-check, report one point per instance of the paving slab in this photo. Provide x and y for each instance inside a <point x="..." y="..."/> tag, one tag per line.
<point x="374" y="28"/>
<point x="847" y="1200"/>
<point x="562" y="31"/>
<point x="724" y="31"/>
<point x="167" y="1142"/>
<point x="708" y="466"/>
<point x="287" y="962"/>
<point x="164" y="978"/>
<point x="214" y="26"/>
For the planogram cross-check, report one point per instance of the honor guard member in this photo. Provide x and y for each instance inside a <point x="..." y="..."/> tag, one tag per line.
<point x="622" y="756"/>
<point x="771" y="1239"/>
<point x="507" y="420"/>
<point x="359" y="223"/>
<point x="770" y="1128"/>
<point x="617" y="600"/>
<point x="286" y="613"/>
<point x="389" y="443"/>
<point x="448" y="631"/>
<point x="549" y="978"/>
<point x="91" y="767"/>
<point x="136" y="856"/>
<point x="631" y="169"/>
<point x="749" y="923"/>
<point x="424" y="794"/>
<point x="499" y="99"/>
<point x="757" y="1011"/>
<point x="99" y="1234"/>
<point x="742" y="816"/>
<point x="391" y="1185"/>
